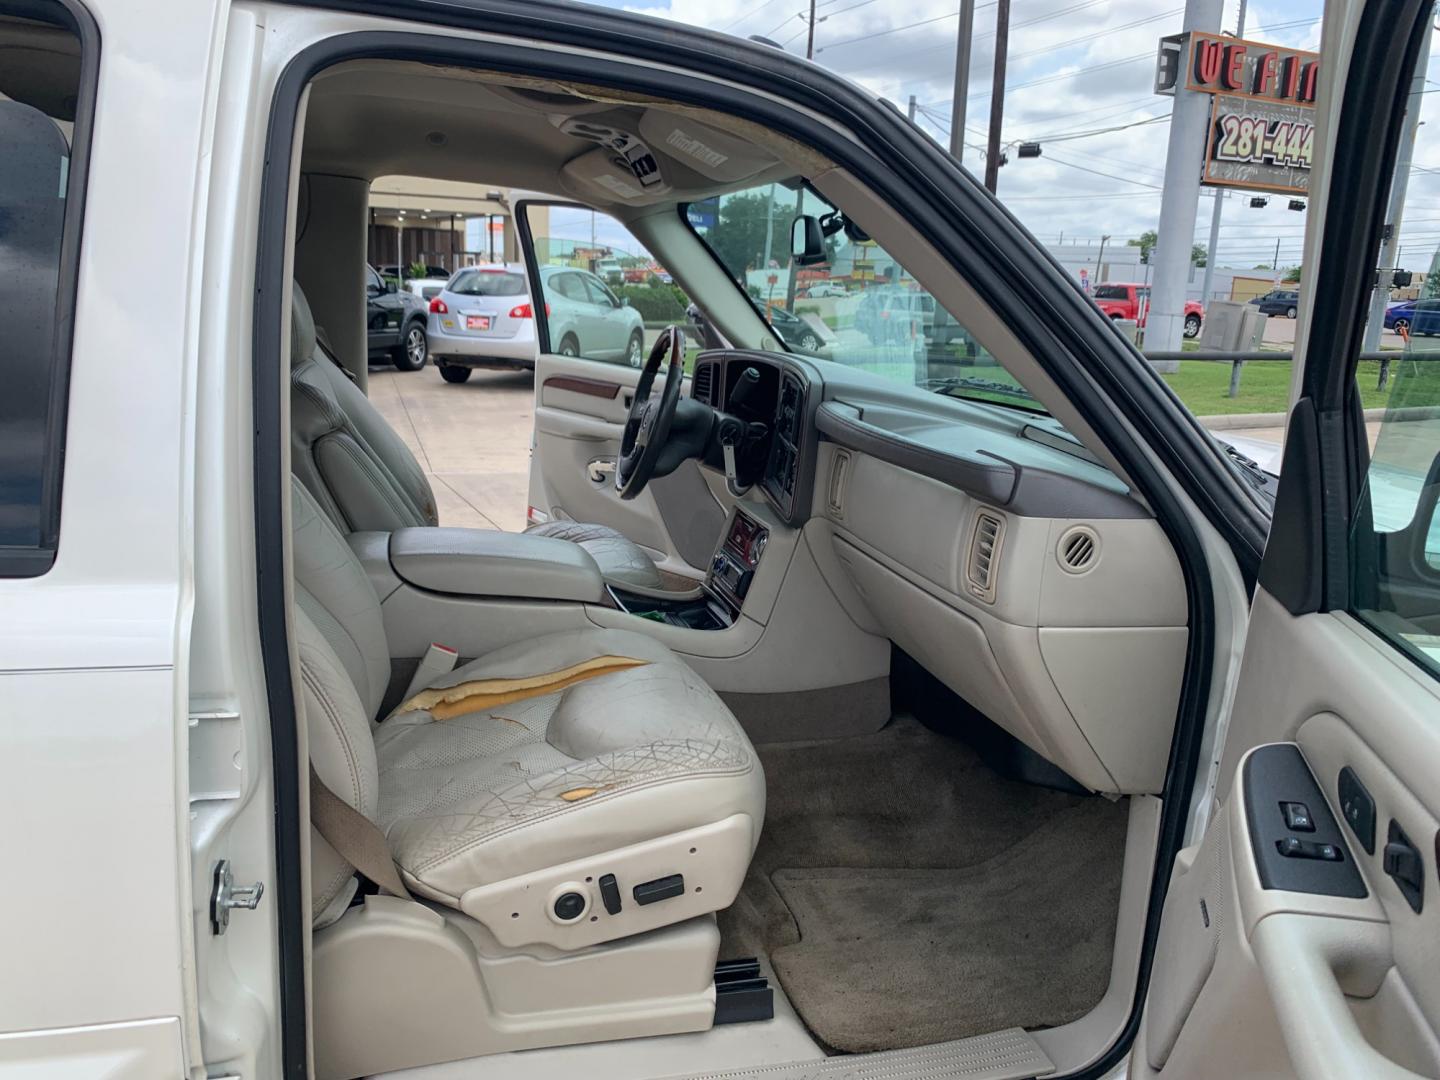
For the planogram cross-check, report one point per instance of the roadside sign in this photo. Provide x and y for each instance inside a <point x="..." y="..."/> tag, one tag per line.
<point x="1259" y="144"/>
<point x="1262" y="127"/>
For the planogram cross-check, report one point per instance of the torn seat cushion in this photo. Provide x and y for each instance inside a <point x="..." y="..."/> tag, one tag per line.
<point x="554" y="749"/>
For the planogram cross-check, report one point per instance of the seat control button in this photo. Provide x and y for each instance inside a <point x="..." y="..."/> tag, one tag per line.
<point x="569" y="906"/>
<point x="652" y="892"/>
<point x="1297" y="817"/>
<point x="610" y="893"/>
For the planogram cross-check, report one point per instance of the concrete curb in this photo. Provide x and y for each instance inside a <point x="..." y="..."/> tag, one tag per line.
<point x="1234" y="421"/>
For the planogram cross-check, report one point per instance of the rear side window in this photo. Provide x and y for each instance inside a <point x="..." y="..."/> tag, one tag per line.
<point x="44" y="128"/>
<point x="488" y="283"/>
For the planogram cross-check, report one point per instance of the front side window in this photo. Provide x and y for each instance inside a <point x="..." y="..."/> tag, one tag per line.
<point x="606" y="296"/>
<point x="860" y="307"/>
<point x="40" y="92"/>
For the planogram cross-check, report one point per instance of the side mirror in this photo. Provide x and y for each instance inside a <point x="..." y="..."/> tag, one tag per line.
<point x="1401" y="279"/>
<point x="807" y="240"/>
<point x="371" y="289"/>
<point x="624" y="301"/>
<point x="391" y="286"/>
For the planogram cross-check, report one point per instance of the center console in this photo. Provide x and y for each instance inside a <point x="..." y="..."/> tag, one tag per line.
<point x="718" y="603"/>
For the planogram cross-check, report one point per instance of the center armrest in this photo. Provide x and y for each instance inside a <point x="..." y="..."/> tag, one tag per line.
<point x="484" y="562"/>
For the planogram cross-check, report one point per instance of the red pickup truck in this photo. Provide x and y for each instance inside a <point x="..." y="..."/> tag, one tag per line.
<point x="1126" y="301"/>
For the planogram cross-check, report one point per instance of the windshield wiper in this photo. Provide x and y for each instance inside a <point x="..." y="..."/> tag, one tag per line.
<point x="974" y="382"/>
<point x="1250" y="469"/>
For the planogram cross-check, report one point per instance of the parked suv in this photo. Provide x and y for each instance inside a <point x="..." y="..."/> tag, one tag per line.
<point x="587" y="319"/>
<point x="1131" y="301"/>
<point x="483" y="317"/>
<point x="395" y="323"/>
<point x="1279" y="302"/>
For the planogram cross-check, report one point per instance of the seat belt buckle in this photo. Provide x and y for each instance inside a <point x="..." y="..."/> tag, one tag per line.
<point x="438" y="660"/>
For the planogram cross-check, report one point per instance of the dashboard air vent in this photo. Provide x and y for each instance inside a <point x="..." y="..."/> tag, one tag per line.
<point x="703" y="382"/>
<point x="1078" y="550"/>
<point x="982" y="567"/>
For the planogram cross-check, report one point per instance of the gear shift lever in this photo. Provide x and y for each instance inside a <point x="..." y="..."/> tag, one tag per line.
<point x="731" y="431"/>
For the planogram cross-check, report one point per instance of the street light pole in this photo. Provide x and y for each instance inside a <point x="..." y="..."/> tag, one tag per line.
<point x="997" y="97"/>
<point x="962" y="79"/>
<point x="810" y="34"/>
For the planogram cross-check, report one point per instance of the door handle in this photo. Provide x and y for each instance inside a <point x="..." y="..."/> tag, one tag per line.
<point x="600" y="469"/>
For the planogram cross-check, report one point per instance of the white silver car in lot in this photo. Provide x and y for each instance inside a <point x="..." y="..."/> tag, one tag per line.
<point x="482" y="318"/>
<point x="587" y="319"/>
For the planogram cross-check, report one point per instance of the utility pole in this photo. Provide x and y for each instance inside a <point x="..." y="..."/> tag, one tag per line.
<point x="1179" y="201"/>
<point x="1275" y="263"/>
<point x="1219" y="203"/>
<point x="1395" y="212"/>
<point x="997" y="96"/>
<point x="910" y="109"/>
<point x="962" y="79"/>
<point x="1100" y="258"/>
<point x="810" y="35"/>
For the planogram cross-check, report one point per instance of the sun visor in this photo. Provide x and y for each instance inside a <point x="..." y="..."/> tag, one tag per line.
<point x="710" y="152"/>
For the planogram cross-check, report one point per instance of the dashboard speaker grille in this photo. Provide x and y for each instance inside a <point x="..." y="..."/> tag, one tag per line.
<point x="1078" y="550"/>
<point x="982" y="566"/>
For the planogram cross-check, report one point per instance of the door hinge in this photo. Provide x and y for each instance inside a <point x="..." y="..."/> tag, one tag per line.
<point x="225" y="896"/>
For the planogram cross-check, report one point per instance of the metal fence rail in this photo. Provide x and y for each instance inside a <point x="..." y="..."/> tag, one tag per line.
<point x="1238" y="360"/>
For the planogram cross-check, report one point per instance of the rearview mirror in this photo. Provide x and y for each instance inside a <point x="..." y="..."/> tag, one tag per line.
<point x="807" y="240"/>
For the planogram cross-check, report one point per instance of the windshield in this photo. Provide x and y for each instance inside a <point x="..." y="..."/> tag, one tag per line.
<point x="488" y="283"/>
<point x="860" y="307"/>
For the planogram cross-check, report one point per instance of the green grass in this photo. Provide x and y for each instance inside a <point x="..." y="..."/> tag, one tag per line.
<point x="1264" y="386"/>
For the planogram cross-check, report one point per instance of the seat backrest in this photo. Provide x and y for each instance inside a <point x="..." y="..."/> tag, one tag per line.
<point x="359" y="470"/>
<point x="344" y="668"/>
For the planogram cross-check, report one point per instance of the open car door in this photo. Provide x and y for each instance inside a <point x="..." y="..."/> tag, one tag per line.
<point x="1301" y="935"/>
<point x="604" y="301"/>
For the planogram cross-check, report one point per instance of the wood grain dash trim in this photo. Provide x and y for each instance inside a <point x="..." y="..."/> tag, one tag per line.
<point x="591" y="387"/>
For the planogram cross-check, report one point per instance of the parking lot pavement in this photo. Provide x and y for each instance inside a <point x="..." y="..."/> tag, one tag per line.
<point x="472" y="439"/>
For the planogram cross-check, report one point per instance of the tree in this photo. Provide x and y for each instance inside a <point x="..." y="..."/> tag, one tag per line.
<point x="739" y="234"/>
<point x="1292" y="274"/>
<point x="1146" y="243"/>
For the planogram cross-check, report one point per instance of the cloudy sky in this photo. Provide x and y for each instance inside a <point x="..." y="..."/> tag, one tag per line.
<point x="1079" y="80"/>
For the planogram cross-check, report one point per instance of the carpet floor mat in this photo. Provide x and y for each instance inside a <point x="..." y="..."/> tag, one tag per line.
<point x="906" y="894"/>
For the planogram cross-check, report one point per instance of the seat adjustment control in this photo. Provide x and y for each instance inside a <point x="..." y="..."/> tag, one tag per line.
<point x="652" y="892"/>
<point x="1402" y="861"/>
<point x="569" y="906"/>
<point x="1297" y="817"/>
<point x="610" y="894"/>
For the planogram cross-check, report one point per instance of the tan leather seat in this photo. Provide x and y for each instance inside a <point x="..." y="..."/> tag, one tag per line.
<point x="543" y="766"/>
<point x="365" y="477"/>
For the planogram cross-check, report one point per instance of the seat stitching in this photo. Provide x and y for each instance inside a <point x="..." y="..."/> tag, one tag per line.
<point x="379" y="483"/>
<point x="307" y="672"/>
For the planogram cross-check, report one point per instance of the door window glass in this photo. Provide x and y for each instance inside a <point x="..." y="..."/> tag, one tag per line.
<point x="607" y="297"/>
<point x="40" y="92"/>
<point x="1395" y="530"/>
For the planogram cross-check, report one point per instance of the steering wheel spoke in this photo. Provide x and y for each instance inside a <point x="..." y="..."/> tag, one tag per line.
<point x="648" y="424"/>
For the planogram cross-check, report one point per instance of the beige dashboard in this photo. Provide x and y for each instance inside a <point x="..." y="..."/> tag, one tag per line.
<point x="1070" y="633"/>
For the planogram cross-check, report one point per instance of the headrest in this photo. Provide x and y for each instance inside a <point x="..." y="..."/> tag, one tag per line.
<point x="302" y="327"/>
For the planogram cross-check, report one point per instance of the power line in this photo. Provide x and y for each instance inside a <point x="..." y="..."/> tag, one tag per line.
<point x="1097" y="172"/>
<point x="1069" y="43"/>
<point x="736" y="22"/>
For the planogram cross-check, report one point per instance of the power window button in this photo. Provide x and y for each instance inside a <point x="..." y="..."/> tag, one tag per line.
<point x="1297" y="817"/>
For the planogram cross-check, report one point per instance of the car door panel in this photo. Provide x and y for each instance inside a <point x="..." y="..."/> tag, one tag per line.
<point x="1322" y="986"/>
<point x="1259" y="969"/>
<point x="580" y="411"/>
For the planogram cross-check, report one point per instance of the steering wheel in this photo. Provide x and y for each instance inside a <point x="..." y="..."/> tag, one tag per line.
<point x="648" y="425"/>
